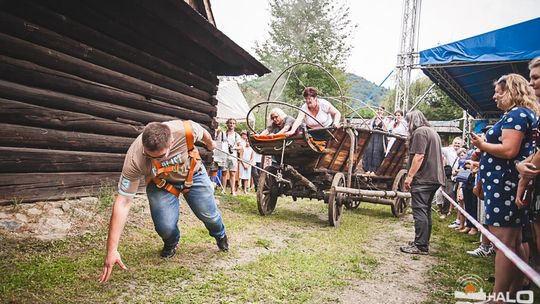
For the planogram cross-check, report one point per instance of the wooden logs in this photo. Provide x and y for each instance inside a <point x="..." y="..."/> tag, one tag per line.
<point x="26" y="160"/>
<point x="42" y="138"/>
<point x="56" y="18"/>
<point x="17" y="48"/>
<point x="108" y="23"/>
<point x="72" y="103"/>
<point x="24" y="187"/>
<point x="24" y="72"/>
<point x="38" y="35"/>
<point x="15" y="112"/>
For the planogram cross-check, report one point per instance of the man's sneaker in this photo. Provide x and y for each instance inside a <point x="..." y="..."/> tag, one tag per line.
<point x="482" y="251"/>
<point x="454" y="224"/>
<point x="223" y="243"/>
<point x="168" y="251"/>
<point x="413" y="249"/>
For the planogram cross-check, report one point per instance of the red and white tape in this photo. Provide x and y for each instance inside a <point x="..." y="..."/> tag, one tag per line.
<point x="522" y="265"/>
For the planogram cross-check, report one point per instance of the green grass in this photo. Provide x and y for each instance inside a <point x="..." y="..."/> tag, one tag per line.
<point x="309" y="258"/>
<point x="292" y="256"/>
<point x="106" y="195"/>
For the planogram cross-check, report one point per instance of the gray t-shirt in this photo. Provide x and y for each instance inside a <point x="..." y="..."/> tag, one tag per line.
<point x="274" y="128"/>
<point x="426" y="141"/>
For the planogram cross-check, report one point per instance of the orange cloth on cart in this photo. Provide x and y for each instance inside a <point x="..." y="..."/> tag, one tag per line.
<point x="269" y="137"/>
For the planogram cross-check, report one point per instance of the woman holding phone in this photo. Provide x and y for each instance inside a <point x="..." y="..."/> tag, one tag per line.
<point x="508" y="142"/>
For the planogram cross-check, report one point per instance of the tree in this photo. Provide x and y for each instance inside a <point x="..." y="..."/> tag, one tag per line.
<point x="314" y="31"/>
<point x="435" y="106"/>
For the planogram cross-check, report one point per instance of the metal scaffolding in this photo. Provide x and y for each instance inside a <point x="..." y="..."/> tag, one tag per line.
<point x="408" y="51"/>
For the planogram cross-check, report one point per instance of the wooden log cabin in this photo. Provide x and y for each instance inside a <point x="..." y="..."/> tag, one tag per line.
<point x="80" y="79"/>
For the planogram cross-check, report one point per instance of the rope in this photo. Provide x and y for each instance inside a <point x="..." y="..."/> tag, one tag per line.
<point x="278" y="178"/>
<point x="522" y="265"/>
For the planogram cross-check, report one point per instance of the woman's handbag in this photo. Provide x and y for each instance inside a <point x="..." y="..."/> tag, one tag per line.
<point x="448" y="170"/>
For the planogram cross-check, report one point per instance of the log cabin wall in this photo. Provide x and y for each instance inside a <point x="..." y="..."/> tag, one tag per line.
<point x="80" y="79"/>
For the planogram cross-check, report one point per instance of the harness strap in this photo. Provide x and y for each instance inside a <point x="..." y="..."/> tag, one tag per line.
<point x="163" y="184"/>
<point x="167" y="170"/>
<point x="193" y="155"/>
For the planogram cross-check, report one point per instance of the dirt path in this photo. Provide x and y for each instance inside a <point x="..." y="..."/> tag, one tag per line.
<point x="398" y="278"/>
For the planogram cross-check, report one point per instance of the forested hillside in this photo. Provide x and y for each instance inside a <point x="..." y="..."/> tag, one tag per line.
<point x="359" y="89"/>
<point x="365" y="91"/>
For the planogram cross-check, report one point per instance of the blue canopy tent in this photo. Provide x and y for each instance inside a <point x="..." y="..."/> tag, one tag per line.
<point x="466" y="69"/>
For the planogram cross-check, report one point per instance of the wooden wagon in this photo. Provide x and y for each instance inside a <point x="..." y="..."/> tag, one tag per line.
<point x="331" y="170"/>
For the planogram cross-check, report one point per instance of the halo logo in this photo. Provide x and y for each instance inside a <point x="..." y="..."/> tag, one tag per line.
<point x="471" y="288"/>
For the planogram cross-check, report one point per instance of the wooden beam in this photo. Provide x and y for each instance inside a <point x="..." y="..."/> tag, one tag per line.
<point x="25" y="187"/>
<point x="201" y="32"/>
<point x="17" y="48"/>
<point x="31" y="74"/>
<point x="20" y="113"/>
<point x="27" y="160"/>
<point x="42" y="138"/>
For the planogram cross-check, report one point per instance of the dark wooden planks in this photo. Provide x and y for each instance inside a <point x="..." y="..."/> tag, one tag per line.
<point x="41" y="36"/>
<point x="30" y="74"/>
<point x="24" y="187"/>
<point x="14" y="112"/>
<point x="42" y="138"/>
<point x="27" y="160"/>
<point x="72" y="103"/>
<point x="73" y="20"/>
<point x="17" y="48"/>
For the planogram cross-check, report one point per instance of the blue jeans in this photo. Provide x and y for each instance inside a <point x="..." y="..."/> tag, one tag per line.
<point x="164" y="208"/>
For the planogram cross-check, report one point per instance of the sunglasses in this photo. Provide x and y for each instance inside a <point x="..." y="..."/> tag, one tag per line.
<point x="158" y="157"/>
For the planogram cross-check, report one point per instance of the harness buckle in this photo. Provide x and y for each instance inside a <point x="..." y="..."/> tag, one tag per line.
<point x="161" y="184"/>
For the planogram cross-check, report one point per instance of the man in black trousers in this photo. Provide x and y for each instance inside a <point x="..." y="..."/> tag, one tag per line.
<point x="425" y="176"/>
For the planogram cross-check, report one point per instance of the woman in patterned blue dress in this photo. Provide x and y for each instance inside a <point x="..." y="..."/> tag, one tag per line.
<point x="508" y="142"/>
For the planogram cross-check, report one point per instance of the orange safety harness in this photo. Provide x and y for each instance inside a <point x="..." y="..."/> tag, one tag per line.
<point x="193" y="154"/>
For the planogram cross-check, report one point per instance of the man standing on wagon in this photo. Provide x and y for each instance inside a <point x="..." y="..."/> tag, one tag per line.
<point x="425" y="176"/>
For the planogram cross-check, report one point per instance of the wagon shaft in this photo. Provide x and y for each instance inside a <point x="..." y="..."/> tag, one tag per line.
<point x="373" y="193"/>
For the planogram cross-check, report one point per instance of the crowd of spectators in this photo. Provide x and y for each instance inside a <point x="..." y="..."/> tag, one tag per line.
<point x="495" y="180"/>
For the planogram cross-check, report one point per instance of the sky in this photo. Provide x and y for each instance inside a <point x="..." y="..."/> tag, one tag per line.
<point x="376" y="39"/>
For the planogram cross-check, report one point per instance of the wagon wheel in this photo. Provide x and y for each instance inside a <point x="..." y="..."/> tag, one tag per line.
<point x="400" y="204"/>
<point x="336" y="200"/>
<point x="267" y="192"/>
<point x="350" y="204"/>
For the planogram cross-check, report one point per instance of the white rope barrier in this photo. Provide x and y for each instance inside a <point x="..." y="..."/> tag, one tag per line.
<point x="522" y="265"/>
